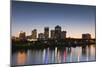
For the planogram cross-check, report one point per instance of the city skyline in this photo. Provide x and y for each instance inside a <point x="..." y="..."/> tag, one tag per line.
<point x="56" y="32"/>
<point x="74" y="19"/>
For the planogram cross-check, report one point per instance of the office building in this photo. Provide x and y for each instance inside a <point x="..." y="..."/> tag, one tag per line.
<point x="34" y="34"/>
<point x="52" y="34"/>
<point x="22" y="35"/>
<point x="41" y="36"/>
<point x="86" y="36"/>
<point x="63" y="34"/>
<point x="46" y="32"/>
<point x="58" y="32"/>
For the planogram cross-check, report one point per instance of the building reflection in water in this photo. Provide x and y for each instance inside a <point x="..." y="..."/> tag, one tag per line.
<point x="91" y="51"/>
<point x="44" y="51"/>
<point x="48" y="56"/>
<point x="45" y="56"/>
<point x="71" y="55"/>
<point x="52" y="56"/>
<point x="58" y="56"/>
<point x="78" y="54"/>
<point x="21" y="57"/>
<point x="68" y="50"/>
<point x="85" y="52"/>
<point x="68" y="54"/>
<point x="64" y="56"/>
<point x="55" y="55"/>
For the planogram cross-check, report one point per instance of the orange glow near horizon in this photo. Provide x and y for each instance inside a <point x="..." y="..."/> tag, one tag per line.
<point x="73" y="35"/>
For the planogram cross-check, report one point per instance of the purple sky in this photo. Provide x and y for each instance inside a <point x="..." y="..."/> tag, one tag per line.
<point x="75" y="19"/>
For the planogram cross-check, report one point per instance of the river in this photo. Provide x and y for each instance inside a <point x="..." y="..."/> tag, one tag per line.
<point x="54" y="55"/>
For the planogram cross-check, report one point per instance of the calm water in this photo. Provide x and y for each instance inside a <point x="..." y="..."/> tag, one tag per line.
<point x="56" y="55"/>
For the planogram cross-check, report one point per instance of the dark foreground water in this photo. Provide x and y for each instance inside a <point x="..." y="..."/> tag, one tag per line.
<point x="54" y="55"/>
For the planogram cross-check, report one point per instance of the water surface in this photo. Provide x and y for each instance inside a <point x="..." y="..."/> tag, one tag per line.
<point x="54" y="55"/>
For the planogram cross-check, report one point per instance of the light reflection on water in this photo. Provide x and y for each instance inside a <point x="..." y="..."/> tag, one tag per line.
<point x="21" y="57"/>
<point x="54" y="55"/>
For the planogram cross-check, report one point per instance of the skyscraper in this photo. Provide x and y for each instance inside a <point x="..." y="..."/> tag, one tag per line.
<point x="58" y="32"/>
<point x="34" y="34"/>
<point x="22" y="35"/>
<point x="63" y="34"/>
<point x="41" y="36"/>
<point x="46" y="32"/>
<point x="52" y="34"/>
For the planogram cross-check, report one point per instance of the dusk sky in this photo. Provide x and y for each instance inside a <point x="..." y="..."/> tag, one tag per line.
<point x="75" y="19"/>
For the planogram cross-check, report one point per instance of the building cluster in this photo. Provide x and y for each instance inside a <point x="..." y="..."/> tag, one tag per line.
<point x="58" y="33"/>
<point x="55" y="33"/>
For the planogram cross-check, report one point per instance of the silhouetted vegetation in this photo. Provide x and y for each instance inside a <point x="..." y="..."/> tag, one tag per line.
<point x="60" y="43"/>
